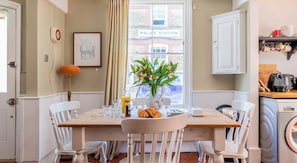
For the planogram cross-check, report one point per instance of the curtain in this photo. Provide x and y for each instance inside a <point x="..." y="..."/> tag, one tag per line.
<point x="2" y="13"/>
<point x="117" y="44"/>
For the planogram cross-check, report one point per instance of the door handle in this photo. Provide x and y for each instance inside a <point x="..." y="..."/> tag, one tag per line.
<point x="12" y="64"/>
<point x="11" y="101"/>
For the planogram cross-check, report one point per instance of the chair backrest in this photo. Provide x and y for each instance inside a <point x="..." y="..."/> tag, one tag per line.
<point x="242" y="112"/>
<point x="170" y="129"/>
<point x="60" y="112"/>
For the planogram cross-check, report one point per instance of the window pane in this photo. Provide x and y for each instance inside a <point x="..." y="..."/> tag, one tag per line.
<point x="157" y="31"/>
<point x="3" y="52"/>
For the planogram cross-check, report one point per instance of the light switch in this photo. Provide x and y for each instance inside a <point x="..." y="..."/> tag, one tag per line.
<point x="46" y="58"/>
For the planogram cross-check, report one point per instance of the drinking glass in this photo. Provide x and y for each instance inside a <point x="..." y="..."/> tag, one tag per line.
<point x="107" y="110"/>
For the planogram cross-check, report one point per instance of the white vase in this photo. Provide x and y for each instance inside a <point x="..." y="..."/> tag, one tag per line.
<point x="155" y="101"/>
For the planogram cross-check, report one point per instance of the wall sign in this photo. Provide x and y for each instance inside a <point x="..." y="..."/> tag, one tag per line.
<point x="55" y="34"/>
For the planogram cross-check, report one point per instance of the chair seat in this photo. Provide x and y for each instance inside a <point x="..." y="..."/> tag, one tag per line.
<point x="231" y="150"/>
<point x="90" y="147"/>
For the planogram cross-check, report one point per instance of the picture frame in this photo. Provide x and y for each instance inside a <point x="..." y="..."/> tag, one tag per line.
<point x="87" y="49"/>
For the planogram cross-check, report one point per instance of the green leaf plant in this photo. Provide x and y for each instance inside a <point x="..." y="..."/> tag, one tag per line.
<point x="153" y="74"/>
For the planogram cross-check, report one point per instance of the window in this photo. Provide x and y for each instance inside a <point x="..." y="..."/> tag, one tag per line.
<point x="158" y="48"/>
<point x="159" y="14"/>
<point x="3" y="51"/>
<point x="158" y="29"/>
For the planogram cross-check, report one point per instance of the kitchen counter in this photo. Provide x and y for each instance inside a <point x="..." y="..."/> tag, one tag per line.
<point x="291" y="94"/>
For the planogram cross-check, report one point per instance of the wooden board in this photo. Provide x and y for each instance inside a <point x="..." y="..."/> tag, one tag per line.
<point x="290" y="94"/>
<point x="265" y="70"/>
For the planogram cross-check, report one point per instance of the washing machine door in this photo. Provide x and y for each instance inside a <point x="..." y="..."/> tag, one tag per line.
<point x="291" y="134"/>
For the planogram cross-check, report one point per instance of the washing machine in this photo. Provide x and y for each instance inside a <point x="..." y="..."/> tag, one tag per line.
<point x="278" y="130"/>
<point x="287" y="133"/>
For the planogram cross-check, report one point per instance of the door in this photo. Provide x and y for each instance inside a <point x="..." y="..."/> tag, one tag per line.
<point x="228" y="45"/>
<point x="291" y="134"/>
<point x="225" y="32"/>
<point x="8" y="51"/>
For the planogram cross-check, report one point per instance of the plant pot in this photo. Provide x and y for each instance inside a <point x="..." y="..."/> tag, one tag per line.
<point x="155" y="101"/>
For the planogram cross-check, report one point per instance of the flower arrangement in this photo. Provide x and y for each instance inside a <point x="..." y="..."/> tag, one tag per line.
<point x="153" y="74"/>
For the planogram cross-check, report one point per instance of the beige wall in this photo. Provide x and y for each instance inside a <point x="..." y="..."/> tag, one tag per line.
<point x="49" y="80"/>
<point x="90" y="16"/>
<point x="86" y="16"/>
<point x="92" y="20"/>
<point x="29" y="48"/>
<point x="202" y="77"/>
<point x="41" y="78"/>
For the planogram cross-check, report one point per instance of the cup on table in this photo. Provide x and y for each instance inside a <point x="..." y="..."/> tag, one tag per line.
<point x="197" y="111"/>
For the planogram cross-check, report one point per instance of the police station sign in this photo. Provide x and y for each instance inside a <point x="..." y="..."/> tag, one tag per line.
<point x="158" y="33"/>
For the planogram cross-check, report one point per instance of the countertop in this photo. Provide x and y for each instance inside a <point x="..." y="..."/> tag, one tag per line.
<point x="290" y="94"/>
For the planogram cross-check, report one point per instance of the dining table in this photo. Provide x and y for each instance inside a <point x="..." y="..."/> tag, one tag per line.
<point x="94" y="125"/>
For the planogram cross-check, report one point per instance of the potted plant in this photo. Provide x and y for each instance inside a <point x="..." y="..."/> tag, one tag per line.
<point x="155" y="75"/>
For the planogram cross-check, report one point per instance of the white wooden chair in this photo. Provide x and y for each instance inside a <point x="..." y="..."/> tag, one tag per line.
<point x="63" y="111"/>
<point x="170" y="129"/>
<point x="141" y="103"/>
<point x="243" y="112"/>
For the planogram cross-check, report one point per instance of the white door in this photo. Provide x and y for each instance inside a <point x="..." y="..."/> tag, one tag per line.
<point x="8" y="51"/>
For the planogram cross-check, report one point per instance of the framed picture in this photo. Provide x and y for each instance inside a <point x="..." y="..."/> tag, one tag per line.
<point x="87" y="48"/>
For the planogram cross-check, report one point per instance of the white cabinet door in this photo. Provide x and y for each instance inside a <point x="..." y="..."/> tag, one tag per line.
<point x="228" y="43"/>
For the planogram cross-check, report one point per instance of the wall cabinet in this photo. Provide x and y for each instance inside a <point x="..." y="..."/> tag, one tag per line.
<point x="229" y="43"/>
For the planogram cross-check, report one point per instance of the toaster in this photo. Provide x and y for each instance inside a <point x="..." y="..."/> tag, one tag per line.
<point x="279" y="82"/>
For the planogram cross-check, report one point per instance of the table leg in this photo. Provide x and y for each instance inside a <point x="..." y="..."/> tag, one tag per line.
<point x="80" y="157"/>
<point x="78" y="142"/>
<point x="219" y="144"/>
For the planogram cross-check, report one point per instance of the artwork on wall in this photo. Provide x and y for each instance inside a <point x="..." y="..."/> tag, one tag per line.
<point x="87" y="48"/>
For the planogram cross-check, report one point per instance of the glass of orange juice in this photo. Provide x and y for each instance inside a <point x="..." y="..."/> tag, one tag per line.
<point x="125" y="97"/>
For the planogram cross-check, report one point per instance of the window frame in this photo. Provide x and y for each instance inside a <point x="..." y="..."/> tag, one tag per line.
<point x="187" y="60"/>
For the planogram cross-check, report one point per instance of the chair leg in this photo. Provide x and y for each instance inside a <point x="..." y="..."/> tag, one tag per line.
<point x="235" y="160"/>
<point x="57" y="158"/>
<point x="86" y="158"/>
<point x="202" y="156"/>
<point x="74" y="158"/>
<point x="136" y="148"/>
<point x="210" y="160"/>
<point x="103" y="149"/>
<point x="102" y="153"/>
<point x="243" y="160"/>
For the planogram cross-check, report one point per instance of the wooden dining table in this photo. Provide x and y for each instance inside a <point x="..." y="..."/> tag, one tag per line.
<point x="93" y="125"/>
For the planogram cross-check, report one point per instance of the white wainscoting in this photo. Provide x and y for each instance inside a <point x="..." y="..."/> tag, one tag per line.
<point x="36" y="141"/>
<point x="35" y="136"/>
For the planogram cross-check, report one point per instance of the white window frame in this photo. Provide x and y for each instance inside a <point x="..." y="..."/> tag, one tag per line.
<point x="187" y="72"/>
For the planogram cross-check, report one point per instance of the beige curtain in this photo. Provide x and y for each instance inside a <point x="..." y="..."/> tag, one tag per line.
<point x="117" y="44"/>
<point x="2" y="13"/>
